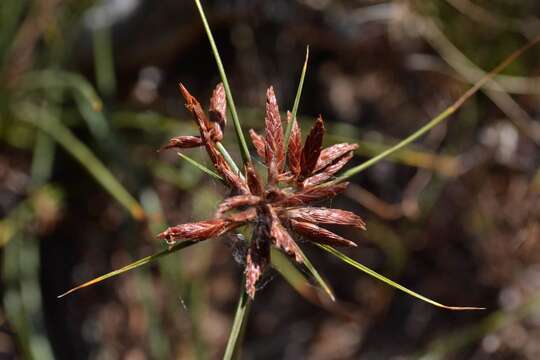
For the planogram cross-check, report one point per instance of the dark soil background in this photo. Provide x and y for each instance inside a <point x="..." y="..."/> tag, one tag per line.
<point x="454" y="217"/>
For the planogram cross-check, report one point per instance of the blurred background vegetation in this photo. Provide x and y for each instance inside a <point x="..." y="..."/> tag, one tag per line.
<point x="88" y="92"/>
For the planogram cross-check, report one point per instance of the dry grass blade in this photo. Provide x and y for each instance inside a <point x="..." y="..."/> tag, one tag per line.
<point x="380" y="277"/>
<point x="131" y="266"/>
<point x="442" y="116"/>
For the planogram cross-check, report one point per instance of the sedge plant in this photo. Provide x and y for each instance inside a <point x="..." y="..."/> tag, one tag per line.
<point x="279" y="205"/>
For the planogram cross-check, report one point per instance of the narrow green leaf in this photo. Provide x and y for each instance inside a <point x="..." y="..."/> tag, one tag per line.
<point x="230" y="100"/>
<point x="200" y="166"/>
<point x="134" y="265"/>
<point x="239" y="323"/>
<point x="296" y="100"/>
<point x="317" y="276"/>
<point x="441" y="117"/>
<point x="298" y="281"/>
<point x="380" y="277"/>
<point x="47" y="79"/>
<point x="63" y="136"/>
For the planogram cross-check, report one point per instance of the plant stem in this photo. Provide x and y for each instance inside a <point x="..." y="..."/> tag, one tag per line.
<point x="296" y="101"/>
<point x="240" y="319"/>
<point x="439" y="118"/>
<point x="230" y="101"/>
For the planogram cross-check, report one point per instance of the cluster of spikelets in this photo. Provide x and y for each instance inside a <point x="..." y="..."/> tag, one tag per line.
<point x="297" y="176"/>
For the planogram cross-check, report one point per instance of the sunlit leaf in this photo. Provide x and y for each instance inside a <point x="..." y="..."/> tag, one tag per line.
<point x="380" y="277"/>
<point x="239" y="323"/>
<point x="200" y="166"/>
<point x="296" y="100"/>
<point x="134" y="265"/>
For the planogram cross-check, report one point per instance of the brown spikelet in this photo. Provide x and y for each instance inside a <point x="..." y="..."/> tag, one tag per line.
<point x="258" y="257"/>
<point x="183" y="142"/>
<point x="218" y="106"/>
<point x="274" y="130"/>
<point x="242" y="217"/>
<point x="328" y="171"/>
<point x="271" y="165"/>
<point x="196" y="231"/>
<point x="294" y="153"/>
<point x="312" y="148"/>
<point x="193" y="106"/>
<point x="259" y="143"/>
<point x="310" y="195"/>
<point x="254" y="183"/>
<point x="255" y="265"/>
<point x="332" y="153"/>
<point x="319" y="234"/>
<point x="237" y="201"/>
<point x="324" y="215"/>
<point x="281" y="237"/>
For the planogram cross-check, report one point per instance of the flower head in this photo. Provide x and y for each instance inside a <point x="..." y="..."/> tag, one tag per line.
<point x="280" y="207"/>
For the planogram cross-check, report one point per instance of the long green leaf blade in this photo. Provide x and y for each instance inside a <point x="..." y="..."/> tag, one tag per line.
<point x="134" y="265"/>
<point x="380" y="277"/>
<point x="239" y="323"/>
<point x="200" y="166"/>
<point x="317" y="276"/>
<point x="296" y="100"/>
<point x="230" y="100"/>
<point x="62" y="135"/>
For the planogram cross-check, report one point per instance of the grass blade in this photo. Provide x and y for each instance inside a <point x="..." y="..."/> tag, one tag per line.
<point x="134" y="265"/>
<point x="239" y="323"/>
<point x="200" y="166"/>
<point x="439" y="118"/>
<point x="378" y="276"/>
<point x="230" y="101"/>
<point x="317" y="276"/>
<point x="293" y="276"/>
<point x="296" y="100"/>
<point x="62" y="135"/>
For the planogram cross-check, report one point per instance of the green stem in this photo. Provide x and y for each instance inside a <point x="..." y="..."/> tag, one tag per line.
<point x="296" y="101"/>
<point x="439" y="118"/>
<point x="240" y="320"/>
<point x="230" y="101"/>
<point x="200" y="166"/>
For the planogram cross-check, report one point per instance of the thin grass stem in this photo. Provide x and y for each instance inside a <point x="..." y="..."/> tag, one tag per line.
<point x="200" y="166"/>
<point x="384" y="279"/>
<point x="439" y="118"/>
<point x="296" y="101"/>
<point x="230" y="101"/>
<point x="239" y="322"/>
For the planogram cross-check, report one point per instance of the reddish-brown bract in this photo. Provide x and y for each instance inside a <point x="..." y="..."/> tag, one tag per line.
<point x="294" y="183"/>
